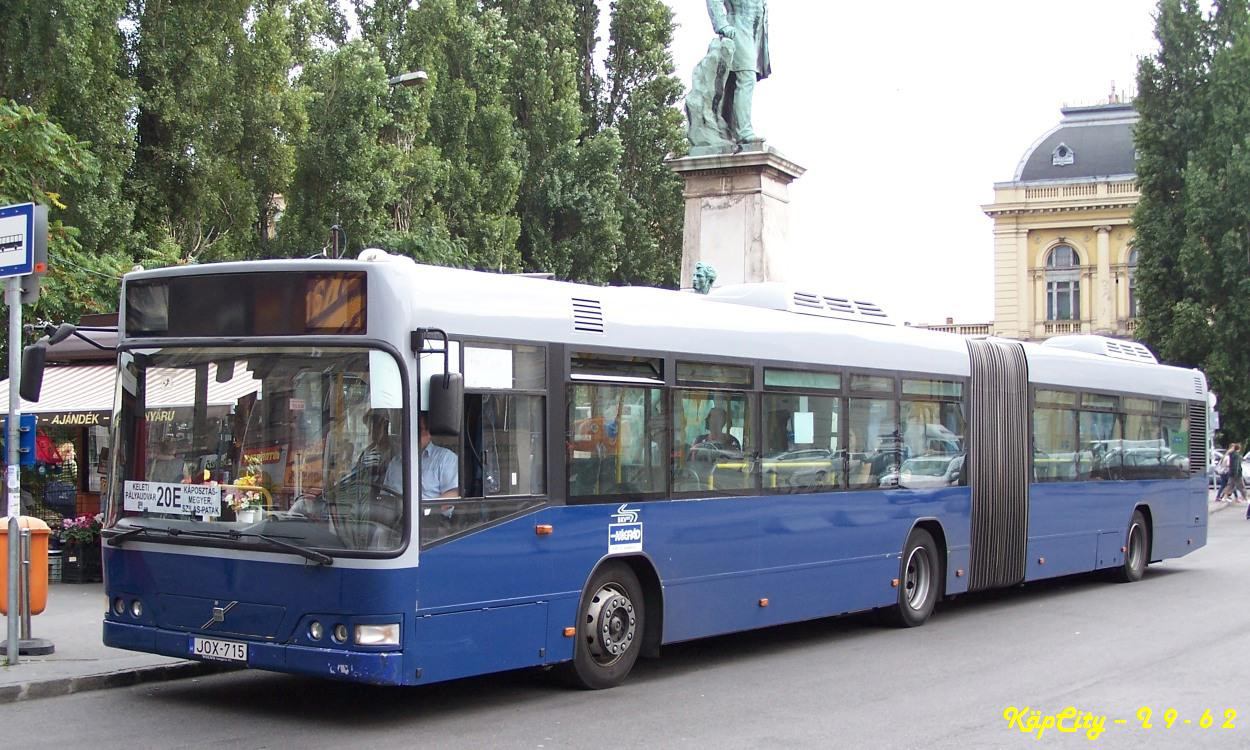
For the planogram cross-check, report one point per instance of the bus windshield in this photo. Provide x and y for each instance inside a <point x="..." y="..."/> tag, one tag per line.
<point x="245" y="446"/>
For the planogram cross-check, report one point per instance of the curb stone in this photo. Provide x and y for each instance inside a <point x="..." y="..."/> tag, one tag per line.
<point x="122" y="678"/>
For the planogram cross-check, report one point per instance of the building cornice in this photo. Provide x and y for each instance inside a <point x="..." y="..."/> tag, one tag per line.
<point x="994" y="210"/>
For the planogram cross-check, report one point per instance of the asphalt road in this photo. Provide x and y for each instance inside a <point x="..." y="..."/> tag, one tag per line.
<point x="1176" y="641"/>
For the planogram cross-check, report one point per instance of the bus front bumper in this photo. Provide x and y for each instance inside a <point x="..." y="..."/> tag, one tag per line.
<point x="374" y="667"/>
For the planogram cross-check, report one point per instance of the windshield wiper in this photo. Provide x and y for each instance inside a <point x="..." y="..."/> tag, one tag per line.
<point x="116" y="537"/>
<point x="310" y="554"/>
<point x="320" y="558"/>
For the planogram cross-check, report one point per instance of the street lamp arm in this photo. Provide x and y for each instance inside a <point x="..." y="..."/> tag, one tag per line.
<point x="413" y="78"/>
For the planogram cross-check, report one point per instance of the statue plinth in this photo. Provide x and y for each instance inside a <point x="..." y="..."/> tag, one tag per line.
<point x="737" y="213"/>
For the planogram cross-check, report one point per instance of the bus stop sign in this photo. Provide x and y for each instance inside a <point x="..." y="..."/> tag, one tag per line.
<point x="17" y="233"/>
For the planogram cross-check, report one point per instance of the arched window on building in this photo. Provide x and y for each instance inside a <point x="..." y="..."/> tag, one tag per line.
<point x="1063" y="284"/>
<point x="1132" y="284"/>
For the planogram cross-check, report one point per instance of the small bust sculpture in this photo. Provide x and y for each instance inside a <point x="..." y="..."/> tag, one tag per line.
<point x="703" y="278"/>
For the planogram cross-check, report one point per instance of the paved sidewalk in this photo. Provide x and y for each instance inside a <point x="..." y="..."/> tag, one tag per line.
<point x="73" y="622"/>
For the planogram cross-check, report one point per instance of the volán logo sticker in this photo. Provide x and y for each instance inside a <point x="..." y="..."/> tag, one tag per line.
<point x="626" y="534"/>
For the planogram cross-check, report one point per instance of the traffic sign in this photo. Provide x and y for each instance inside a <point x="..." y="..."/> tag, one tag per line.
<point x="17" y="235"/>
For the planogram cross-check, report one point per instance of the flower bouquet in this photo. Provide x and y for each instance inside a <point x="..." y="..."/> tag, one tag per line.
<point x="248" y="503"/>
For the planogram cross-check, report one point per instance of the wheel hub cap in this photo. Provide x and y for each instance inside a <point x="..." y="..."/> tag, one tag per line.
<point x="610" y="624"/>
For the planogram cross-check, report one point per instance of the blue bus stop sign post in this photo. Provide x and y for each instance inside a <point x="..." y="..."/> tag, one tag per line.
<point x="17" y="259"/>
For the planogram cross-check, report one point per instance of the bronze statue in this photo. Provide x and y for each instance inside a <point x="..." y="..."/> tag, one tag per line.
<point x="703" y="278"/>
<point x="718" y="107"/>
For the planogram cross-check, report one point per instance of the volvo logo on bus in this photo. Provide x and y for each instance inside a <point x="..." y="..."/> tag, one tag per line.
<point x="219" y="614"/>
<point x="626" y="534"/>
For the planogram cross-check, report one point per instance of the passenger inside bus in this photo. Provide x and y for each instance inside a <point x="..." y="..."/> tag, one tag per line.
<point x="716" y="457"/>
<point x="717" y="435"/>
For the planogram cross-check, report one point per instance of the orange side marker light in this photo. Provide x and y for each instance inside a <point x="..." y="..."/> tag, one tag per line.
<point x="543" y="529"/>
<point x="570" y="632"/>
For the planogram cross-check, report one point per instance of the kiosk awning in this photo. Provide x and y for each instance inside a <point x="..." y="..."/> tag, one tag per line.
<point x="83" y="395"/>
<point x="71" y="396"/>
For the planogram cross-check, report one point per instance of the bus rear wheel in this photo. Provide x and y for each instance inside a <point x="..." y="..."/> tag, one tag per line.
<point x="1136" y="550"/>
<point x="919" y="582"/>
<point x="610" y="624"/>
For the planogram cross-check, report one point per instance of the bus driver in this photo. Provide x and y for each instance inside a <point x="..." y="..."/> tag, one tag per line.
<point x="440" y="469"/>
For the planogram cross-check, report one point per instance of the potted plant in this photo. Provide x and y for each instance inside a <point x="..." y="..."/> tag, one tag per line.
<point x="80" y="549"/>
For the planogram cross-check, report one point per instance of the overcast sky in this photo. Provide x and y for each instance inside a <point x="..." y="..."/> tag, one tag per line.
<point x="905" y="114"/>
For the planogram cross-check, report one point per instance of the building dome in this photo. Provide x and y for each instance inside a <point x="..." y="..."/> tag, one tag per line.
<point x="1088" y="143"/>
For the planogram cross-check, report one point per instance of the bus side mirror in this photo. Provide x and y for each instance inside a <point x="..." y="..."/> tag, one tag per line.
<point x="33" y="358"/>
<point x="446" y="407"/>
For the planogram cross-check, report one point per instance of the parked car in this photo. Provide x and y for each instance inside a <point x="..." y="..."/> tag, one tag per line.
<point x="806" y="467"/>
<point x="939" y="470"/>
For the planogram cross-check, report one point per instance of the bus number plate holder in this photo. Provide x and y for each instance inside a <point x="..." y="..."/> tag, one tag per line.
<point x="211" y="648"/>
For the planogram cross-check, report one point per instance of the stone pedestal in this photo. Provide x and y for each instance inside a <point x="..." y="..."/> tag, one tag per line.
<point x="737" y="216"/>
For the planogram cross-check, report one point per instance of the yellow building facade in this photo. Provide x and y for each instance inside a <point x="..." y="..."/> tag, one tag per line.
<point x="1063" y="237"/>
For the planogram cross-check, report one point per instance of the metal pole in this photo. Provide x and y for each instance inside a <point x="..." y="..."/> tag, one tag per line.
<point x="13" y="297"/>
<point x="25" y="600"/>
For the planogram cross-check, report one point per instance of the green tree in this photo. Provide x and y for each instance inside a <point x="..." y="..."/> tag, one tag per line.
<point x="217" y="122"/>
<point x="66" y="60"/>
<point x="344" y="174"/>
<point x="570" y="223"/>
<point x="458" y="171"/>
<point x="37" y="159"/>
<point x="1192" y="224"/>
<point x="641" y="105"/>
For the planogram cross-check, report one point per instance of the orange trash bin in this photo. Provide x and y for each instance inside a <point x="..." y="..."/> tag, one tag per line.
<point x="39" y="533"/>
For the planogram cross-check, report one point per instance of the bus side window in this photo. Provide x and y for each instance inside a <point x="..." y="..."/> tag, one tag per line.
<point x="501" y="459"/>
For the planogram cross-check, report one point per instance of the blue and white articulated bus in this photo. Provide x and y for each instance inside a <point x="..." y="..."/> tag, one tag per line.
<point x="607" y="470"/>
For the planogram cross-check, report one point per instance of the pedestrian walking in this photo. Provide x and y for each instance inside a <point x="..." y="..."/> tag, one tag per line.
<point x="1221" y="476"/>
<point x="1235" y="488"/>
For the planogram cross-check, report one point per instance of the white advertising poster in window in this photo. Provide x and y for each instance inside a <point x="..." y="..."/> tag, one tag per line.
<point x="487" y="368"/>
<point x="804" y="427"/>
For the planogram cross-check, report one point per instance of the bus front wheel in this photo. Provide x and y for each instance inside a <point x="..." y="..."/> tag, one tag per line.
<point x="919" y="583"/>
<point x="1136" y="550"/>
<point x="609" y="628"/>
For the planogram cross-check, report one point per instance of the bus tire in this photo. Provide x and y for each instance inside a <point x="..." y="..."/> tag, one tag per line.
<point x="610" y="622"/>
<point x="919" y="581"/>
<point x="1136" y="550"/>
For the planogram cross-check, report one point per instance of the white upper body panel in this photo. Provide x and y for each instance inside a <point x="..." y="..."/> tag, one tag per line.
<point x="404" y="295"/>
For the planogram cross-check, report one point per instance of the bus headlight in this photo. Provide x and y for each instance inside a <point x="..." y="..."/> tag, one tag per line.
<point x="316" y="631"/>
<point x="136" y="609"/>
<point x="377" y="635"/>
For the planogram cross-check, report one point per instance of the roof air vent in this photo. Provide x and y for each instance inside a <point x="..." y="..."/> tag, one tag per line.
<point x="1107" y="347"/>
<point x="587" y="315"/>
<point x="1200" y="385"/>
<point x="777" y="296"/>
